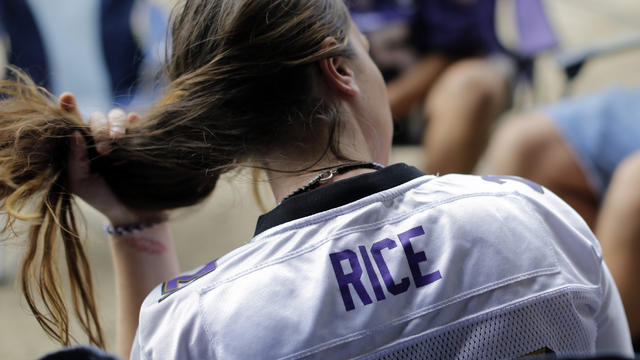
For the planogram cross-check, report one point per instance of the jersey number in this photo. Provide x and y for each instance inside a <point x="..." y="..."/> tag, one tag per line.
<point x="173" y="285"/>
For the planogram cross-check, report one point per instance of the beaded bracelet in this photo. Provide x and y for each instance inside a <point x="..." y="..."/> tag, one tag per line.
<point x="129" y="229"/>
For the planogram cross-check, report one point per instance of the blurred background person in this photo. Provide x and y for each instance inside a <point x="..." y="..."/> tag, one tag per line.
<point x="452" y="67"/>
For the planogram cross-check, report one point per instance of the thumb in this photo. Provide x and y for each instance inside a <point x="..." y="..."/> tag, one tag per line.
<point x="78" y="161"/>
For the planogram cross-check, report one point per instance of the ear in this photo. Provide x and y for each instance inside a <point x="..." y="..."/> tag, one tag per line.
<point x="338" y="73"/>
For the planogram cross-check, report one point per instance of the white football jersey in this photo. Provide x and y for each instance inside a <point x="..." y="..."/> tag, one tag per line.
<point x="398" y="265"/>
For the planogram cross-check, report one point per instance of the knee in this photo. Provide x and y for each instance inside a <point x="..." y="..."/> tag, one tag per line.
<point x="524" y="146"/>
<point x="625" y="184"/>
<point x="468" y="82"/>
<point x="629" y="169"/>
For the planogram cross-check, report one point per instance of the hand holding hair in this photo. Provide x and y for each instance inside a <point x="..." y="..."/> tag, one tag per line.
<point x="131" y="171"/>
<point x="90" y="186"/>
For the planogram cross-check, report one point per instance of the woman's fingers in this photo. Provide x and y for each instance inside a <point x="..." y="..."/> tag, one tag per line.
<point x="67" y="102"/>
<point x="118" y="122"/>
<point x="132" y="118"/>
<point x="100" y="131"/>
<point x="107" y="128"/>
<point x="78" y="162"/>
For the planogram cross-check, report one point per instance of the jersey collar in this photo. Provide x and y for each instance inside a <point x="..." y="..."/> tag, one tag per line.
<point x="336" y="194"/>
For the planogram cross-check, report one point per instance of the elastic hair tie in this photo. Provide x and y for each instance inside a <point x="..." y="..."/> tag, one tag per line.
<point x="129" y="229"/>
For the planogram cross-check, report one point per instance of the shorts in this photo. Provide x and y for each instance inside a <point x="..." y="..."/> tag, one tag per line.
<point x="602" y="129"/>
<point x="455" y="27"/>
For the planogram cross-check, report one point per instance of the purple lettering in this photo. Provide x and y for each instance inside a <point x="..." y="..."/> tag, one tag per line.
<point x="377" y="288"/>
<point x="376" y="251"/>
<point x="352" y="278"/>
<point x="501" y="180"/>
<point x="415" y="259"/>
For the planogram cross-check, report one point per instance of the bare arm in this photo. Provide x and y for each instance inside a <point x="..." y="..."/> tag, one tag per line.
<point x="141" y="261"/>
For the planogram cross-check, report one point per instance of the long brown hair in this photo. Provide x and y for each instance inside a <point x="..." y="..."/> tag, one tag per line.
<point x="243" y="83"/>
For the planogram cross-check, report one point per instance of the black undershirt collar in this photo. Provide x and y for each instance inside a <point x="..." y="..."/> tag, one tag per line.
<point x="336" y="194"/>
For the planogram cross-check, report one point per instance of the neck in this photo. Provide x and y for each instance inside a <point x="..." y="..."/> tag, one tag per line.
<point x="285" y="184"/>
<point x="358" y="141"/>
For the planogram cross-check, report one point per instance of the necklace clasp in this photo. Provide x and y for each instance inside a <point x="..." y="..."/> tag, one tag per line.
<point x="326" y="176"/>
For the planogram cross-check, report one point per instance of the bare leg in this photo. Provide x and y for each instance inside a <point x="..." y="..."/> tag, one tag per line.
<point x="618" y="229"/>
<point x="530" y="146"/>
<point x="413" y="85"/>
<point x="461" y="109"/>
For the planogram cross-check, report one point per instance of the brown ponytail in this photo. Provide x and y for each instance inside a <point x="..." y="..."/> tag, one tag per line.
<point x="34" y="143"/>
<point x="149" y="169"/>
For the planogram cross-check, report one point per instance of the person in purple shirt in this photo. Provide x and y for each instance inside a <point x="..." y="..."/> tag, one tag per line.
<point x="460" y="78"/>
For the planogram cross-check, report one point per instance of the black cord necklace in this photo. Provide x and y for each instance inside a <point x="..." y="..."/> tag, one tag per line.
<point x="329" y="174"/>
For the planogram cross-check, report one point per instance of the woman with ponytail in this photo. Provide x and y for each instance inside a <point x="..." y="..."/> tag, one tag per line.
<point x="357" y="259"/>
